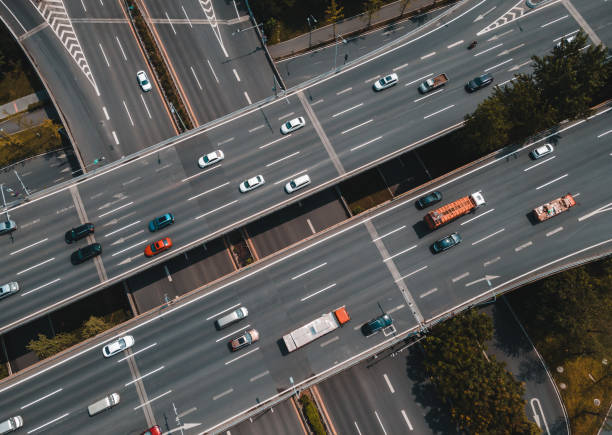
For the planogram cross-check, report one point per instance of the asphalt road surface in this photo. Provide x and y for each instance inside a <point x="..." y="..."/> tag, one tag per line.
<point x="375" y="262"/>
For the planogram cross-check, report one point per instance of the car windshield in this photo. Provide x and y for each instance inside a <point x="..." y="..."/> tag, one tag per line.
<point x="447" y="242"/>
<point x="206" y="159"/>
<point x="144" y="81"/>
<point x="288" y="124"/>
<point x="478" y="81"/>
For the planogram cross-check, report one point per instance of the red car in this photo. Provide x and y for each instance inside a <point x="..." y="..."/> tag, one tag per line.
<point x="157" y="247"/>
<point x="155" y="430"/>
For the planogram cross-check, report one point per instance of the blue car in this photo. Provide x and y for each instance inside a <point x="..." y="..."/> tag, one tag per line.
<point x="161" y="222"/>
<point x="377" y="324"/>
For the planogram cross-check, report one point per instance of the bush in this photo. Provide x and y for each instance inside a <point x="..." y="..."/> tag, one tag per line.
<point x="312" y="415"/>
<point x="29" y="142"/>
<point x="45" y="347"/>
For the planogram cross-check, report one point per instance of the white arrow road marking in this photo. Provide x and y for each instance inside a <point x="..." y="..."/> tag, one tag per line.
<point x="485" y="278"/>
<point x="481" y="16"/>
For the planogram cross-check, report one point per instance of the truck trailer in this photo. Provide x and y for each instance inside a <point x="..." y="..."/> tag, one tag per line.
<point x="433" y="83"/>
<point x="315" y="329"/>
<point x="449" y="212"/>
<point x="554" y="207"/>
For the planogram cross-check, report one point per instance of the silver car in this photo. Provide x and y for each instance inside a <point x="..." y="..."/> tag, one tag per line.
<point x="541" y="151"/>
<point x="8" y="289"/>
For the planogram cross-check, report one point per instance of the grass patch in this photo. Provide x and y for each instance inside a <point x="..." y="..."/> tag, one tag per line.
<point x="365" y="191"/>
<point x="30" y="142"/>
<point x="17" y="77"/>
<point x="312" y="415"/>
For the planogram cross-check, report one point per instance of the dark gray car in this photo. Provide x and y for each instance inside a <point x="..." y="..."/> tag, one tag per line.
<point x="79" y="232"/>
<point x="84" y="254"/>
<point x="376" y="324"/>
<point x="427" y="200"/>
<point x="479" y="82"/>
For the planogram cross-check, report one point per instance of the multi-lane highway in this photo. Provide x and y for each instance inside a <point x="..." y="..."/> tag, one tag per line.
<point x="348" y="127"/>
<point x="379" y="260"/>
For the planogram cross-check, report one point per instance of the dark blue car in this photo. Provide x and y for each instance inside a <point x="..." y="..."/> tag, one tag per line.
<point x="376" y="324"/>
<point x="161" y="222"/>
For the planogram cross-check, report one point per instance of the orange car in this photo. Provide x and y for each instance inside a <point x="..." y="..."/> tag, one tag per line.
<point x="157" y="247"/>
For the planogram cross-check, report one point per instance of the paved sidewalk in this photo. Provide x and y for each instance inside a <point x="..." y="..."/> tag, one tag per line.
<point x="358" y="23"/>
<point x="21" y="104"/>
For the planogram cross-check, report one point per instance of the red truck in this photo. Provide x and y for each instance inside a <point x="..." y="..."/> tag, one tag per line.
<point x="554" y="207"/>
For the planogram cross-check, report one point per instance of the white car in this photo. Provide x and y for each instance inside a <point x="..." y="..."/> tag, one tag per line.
<point x="252" y="183"/>
<point x="8" y="289"/>
<point x="7" y="226"/>
<point x="541" y="151"/>
<point x="297" y="183"/>
<point x="294" y="124"/>
<point x="385" y="82"/>
<point x="211" y="159"/>
<point x="566" y="41"/>
<point x="119" y="345"/>
<point x="143" y="81"/>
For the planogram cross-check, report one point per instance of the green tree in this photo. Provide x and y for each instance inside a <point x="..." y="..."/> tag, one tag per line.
<point x="485" y="130"/>
<point x="93" y="327"/>
<point x="371" y="7"/>
<point x="272" y="28"/>
<point x="45" y="347"/>
<point x="333" y="14"/>
<point x="482" y="396"/>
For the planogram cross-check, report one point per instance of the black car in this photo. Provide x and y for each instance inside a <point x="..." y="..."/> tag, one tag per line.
<point x="428" y="200"/>
<point x="446" y="243"/>
<point x="479" y="82"/>
<point x="376" y="324"/>
<point x="84" y="254"/>
<point x="79" y="232"/>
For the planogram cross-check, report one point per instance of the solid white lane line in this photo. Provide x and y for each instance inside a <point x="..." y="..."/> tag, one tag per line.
<point x="428" y="95"/>
<point x="29" y="246"/>
<point x="477" y="217"/>
<point x="200" y="173"/>
<point x="144" y="103"/>
<point x="499" y="64"/>
<point x="347" y="110"/>
<point x="216" y="209"/>
<point x="221" y="312"/>
<point x="236" y="74"/>
<point x="463" y="275"/>
<point x="261" y="375"/>
<point x="282" y="159"/>
<point x="213" y="71"/>
<point x="104" y="54"/>
<point x="380" y="422"/>
<point x="256" y="128"/>
<point x="48" y="423"/>
<point x="538" y="164"/>
<point x="274" y="141"/>
<point x="489" y="236"/>
<point x="242" y="356"/>
<point x="131" y="247"/>
<point x="428" y="292"/>
<point x="367" y="143"/>
<point x="137" y="352"/>
<point x="552" y="181"/>
<point x="433" y="53"/>
<point x="121" y="48"/>
<point x="389" y="233"/>
<point x="554" y="21"/>
<point x="419" y="79"/>
<point x="225" y="393"/>
<point x="489" y="49"/>
<point x="308" y="271"/>
<point x="454" y="44"/>
<point x="144" y="376"/>
<point x="523" y="246"/>
<point x="317" y="292"/>
<point x="208" y="191"/>
<point x="389" y="383"/>
<point x="400" y="253"/>
<point x="555" y="231"/>
<point x="604" y="133"/>
<point x="123" y="228"/>
<point x="116" y="209"/>
<point x="343" y="91"/>
<point x="357" y="427"/>
<point x="42" y="398"/>
<point x="406" y="419"/>
<point x="152" y="400"/>
<point x="196" y="78"/>
<point x="411" y="273"/>
<point x="290" y="177"/>
<point x="35" y="266"/>
<point x="170" y="22"/>
<point x="234" y="333"/>
<point x="42" y="286"/>
<point x="128" y="113"/>
<point x="280" y="118"/>
<point x="357" y="126"/>
<point x="439" y="111"/>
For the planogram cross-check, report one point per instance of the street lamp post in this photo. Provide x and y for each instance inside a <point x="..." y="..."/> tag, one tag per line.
<point x="292" y="385"/>
<point x="22" y="185"/>
<point x="311" y="21"/>
<point x="4" y="201"/>
<point x="248" y="28"/>
<point x="336" y="55"/>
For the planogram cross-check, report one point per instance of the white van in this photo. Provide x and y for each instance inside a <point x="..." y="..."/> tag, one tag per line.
<point x="11" y="424"/>
<point x="297" y="183"/>
<point x="234" y="316"/>
<point x="103" y="404"/>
